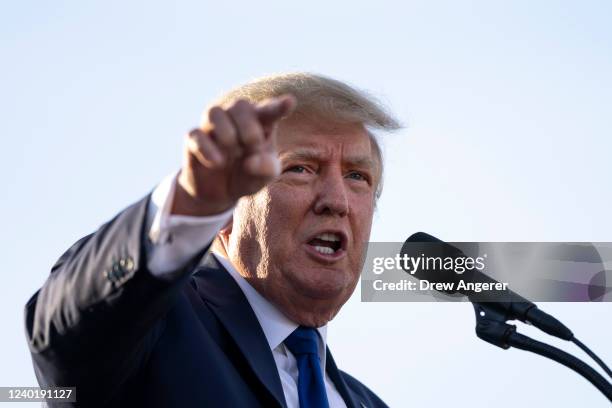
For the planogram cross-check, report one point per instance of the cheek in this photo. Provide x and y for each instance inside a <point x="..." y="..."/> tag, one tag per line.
<point x="362" y="210"/>
<point x="283" y="218"/>
<point x="361" y="224"/>
<point x="288" y="207"/>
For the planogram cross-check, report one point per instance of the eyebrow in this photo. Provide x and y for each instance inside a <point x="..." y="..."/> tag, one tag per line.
<point x="314" y="155"/>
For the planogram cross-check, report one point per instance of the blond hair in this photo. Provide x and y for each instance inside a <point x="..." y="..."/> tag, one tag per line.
<point x="323" y="99"/>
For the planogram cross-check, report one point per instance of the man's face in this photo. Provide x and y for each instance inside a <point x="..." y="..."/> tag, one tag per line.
<point x="301" y="240"/>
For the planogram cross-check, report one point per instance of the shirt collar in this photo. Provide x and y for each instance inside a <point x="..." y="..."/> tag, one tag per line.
<point x="276" y="326"/>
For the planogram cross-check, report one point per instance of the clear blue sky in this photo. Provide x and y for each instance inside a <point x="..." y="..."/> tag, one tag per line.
<point x="508" y="110"/>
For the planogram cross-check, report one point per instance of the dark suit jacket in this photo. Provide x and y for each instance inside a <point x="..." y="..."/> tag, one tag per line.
<point x="103" y="323"/>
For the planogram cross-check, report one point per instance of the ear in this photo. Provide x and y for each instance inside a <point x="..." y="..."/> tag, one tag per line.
<point x="221" y="241"/>
<point x="226" y="230"/>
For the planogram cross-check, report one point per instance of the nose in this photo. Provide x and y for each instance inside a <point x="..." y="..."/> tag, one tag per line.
<point x="332" y="197"/>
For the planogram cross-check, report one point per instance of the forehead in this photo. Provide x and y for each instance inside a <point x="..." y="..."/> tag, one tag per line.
<point x="325" y="139"/>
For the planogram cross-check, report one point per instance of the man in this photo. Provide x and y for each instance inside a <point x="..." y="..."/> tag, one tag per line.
<point x="284" y="175"/>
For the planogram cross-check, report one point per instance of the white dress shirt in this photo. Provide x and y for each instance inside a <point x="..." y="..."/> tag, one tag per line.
<point x="175" y="239"/>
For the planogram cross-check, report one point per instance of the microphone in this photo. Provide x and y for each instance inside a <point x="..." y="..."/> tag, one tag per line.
<point x="509" y="304"/>
<point x="494" y="310"/>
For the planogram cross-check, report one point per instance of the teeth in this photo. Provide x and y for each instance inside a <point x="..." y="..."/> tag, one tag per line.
<point x="324" y="250"/>
<point x="328" y="237"/>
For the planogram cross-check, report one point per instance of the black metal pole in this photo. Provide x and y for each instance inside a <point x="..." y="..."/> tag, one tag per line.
<point x="523" y="342"/>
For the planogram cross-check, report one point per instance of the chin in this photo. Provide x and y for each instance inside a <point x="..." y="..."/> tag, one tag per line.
<point x="321" y="284"/>
<point x="314" y="320"/>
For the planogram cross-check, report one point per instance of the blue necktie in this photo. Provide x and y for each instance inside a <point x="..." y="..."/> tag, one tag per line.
<point x="303" y="344"/>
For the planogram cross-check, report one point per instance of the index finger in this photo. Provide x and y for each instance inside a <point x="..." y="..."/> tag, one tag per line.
<point x="272" y="110"/>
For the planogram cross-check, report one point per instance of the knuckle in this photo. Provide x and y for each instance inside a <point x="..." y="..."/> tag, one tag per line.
<point x="228" y="136"/>
<point x="193" y="135"/>
<point x="196" y="139"/>
<point x="243" y="103"/>
<point x="233" y="135"/>
<point x="225" y="132"/>
<point x="241" y="107"/>
<point x="251" y="133"/>
<point x="215" y="113"/>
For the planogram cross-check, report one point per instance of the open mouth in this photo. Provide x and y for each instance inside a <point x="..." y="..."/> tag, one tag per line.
<point x="328" y="243"/>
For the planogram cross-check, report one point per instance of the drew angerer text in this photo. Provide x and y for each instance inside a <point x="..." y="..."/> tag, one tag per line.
<point x="423" y="284"/>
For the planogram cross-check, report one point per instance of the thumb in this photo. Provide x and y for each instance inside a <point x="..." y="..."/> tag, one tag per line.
<point x="263" y="164"/>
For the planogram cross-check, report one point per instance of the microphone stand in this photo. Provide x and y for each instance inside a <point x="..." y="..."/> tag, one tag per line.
<point x="491" y="327"/>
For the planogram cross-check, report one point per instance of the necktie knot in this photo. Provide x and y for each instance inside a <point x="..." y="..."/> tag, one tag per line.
<point x="303" y="340"/>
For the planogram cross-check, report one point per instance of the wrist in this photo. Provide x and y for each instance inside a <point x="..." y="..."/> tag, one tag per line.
<point x="186" y="203"/>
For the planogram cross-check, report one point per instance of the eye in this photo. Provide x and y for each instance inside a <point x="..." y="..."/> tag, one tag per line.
<point x="355" y="175"/>
<point x="296" y="169"/>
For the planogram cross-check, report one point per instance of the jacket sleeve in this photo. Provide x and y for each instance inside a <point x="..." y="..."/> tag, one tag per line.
<point x="100" y="311"/>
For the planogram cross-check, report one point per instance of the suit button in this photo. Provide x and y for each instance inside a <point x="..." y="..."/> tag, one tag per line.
<point x="127" y="264"/>
<point x="114" y="273"/>
<point x="118" y="270"/>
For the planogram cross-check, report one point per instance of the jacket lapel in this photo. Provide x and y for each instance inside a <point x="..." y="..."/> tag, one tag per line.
<point x="334" y="374"/>
<point x="234" y="312"/>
